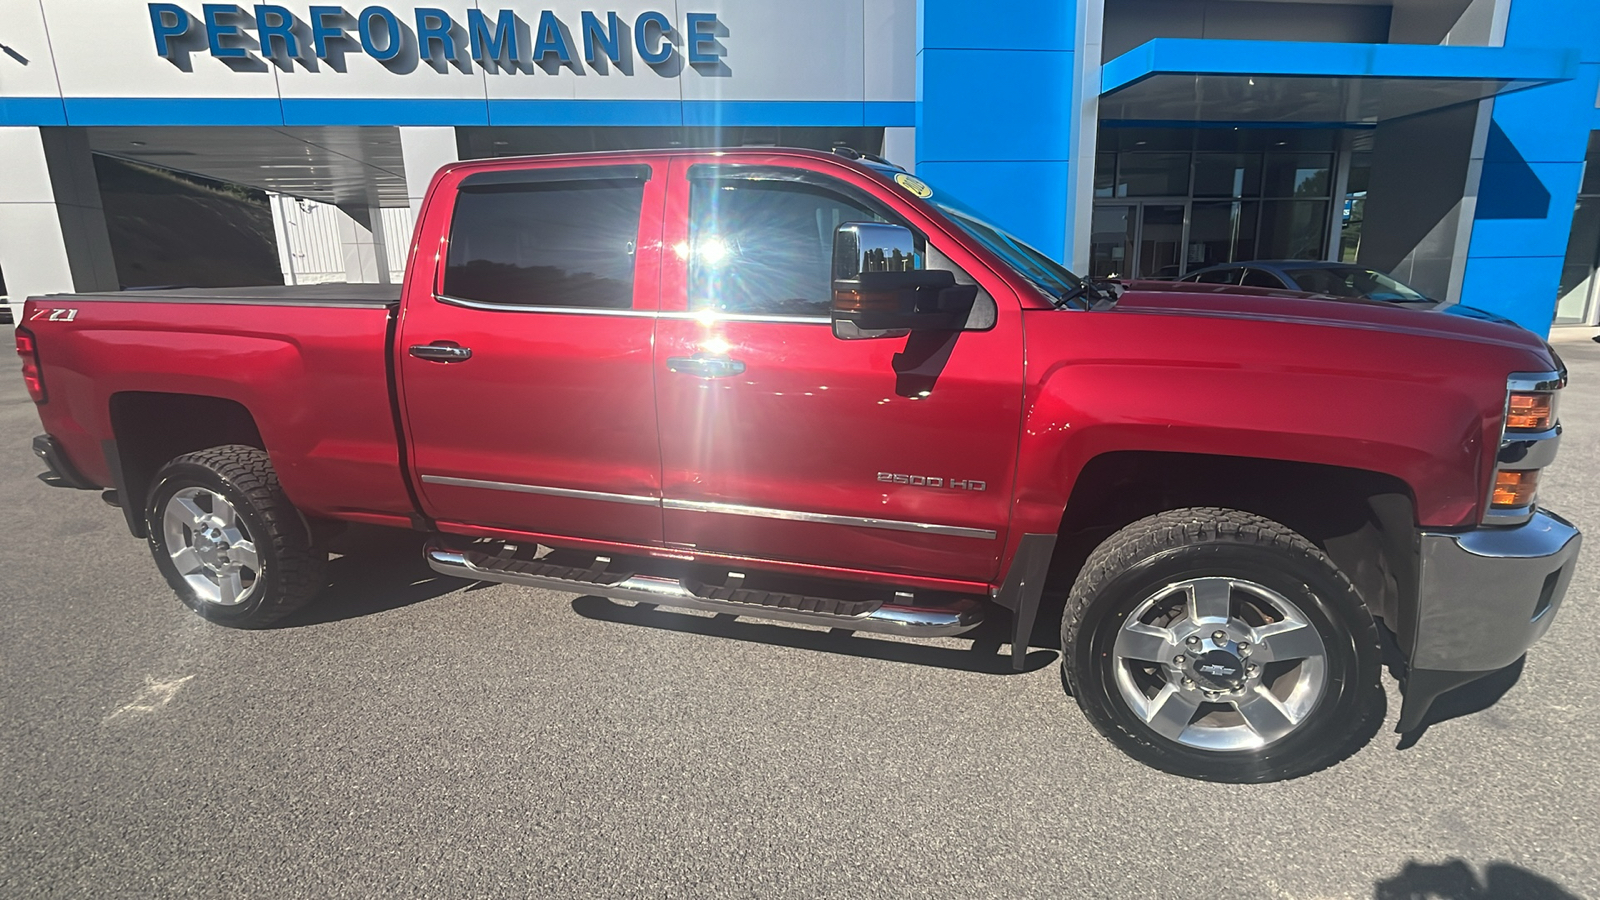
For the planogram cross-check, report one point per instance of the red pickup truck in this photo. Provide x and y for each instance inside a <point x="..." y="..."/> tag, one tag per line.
<point x="810" y="388"/>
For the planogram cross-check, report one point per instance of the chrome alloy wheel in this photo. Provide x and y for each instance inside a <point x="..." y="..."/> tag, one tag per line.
<point x="1220" y="664"/>
<point x="210" y="547"/>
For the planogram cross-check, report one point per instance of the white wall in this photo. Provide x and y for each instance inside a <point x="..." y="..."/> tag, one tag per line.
<point x="311" y="246"/>
<point x="817" y="50"/>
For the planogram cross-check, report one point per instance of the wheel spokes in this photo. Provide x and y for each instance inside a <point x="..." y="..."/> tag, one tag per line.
<point x="1210" y="599"/>
<point x="1144" y="642"/>
<point x="1286" y="641"/>
<point x="186" y="509"/>
<point x="1171" y="710"/>
<point x="186" y="561"/>
<point x="243" y="554"/>
<point x="221" y="511"/>
<point x="1265" y="714"/>
<point x="230" y="586"/>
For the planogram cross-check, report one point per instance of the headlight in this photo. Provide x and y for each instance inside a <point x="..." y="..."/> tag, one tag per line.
<point x="1528" y="411"/>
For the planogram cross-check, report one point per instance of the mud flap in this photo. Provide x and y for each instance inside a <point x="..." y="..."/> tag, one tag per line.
<point x="1022" y="588"/>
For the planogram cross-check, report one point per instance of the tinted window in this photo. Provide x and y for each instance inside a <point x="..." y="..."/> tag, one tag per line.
<point x="545" y="243"/>
<point x="1219" y="276"/>
<point x="1259" y="278"/>
<point x="765" y="245"/>
<point x="1348" y="281"/>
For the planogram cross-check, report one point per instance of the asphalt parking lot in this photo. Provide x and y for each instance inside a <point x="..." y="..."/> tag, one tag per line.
<point x="414" y="736"/>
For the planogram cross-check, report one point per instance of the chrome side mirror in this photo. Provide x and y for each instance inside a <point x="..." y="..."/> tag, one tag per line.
<point x="881" y="290"/>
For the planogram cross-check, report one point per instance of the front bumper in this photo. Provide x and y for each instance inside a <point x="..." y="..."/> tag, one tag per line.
<point x="1483" y="598"/>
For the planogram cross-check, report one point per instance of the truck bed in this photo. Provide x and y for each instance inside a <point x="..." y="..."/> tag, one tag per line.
<point x="326" y="295"/>
<point x="307" y="364"/>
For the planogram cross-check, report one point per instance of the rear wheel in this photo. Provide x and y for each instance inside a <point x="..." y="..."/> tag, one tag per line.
<point x="1217" y="644"/>
<point x="227" y="539"/>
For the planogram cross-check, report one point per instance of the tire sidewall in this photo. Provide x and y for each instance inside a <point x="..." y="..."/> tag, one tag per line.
<point x="179" y="475"/>
<point x="1329" y="606"/>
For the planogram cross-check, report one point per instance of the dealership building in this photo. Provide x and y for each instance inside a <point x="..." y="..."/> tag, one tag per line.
<point x="1451" y="143"/>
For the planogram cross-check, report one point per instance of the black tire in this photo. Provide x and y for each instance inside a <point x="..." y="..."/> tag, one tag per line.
<point x="291" y="565"/>
<point x="1139" y="561"/>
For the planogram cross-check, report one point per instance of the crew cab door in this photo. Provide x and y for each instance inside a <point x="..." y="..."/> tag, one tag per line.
<point x="525" y="359"/>
<point x="779" y="440"/>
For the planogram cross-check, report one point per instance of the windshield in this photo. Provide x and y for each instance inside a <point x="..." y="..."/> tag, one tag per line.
<point x="1350" y="281"/>
<point x="1050" y="276"/>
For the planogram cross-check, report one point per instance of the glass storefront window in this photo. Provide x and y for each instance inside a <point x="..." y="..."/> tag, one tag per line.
<point x="1293" y="229"/>
<point x="1152" y="175"/>
<point x="1222" y="232"/>
<point x="1170" y="201"/>
<point x="1355" y="206"/>
<point x="1161" y="240"/>
<point x="1227" y="174"/>
<point x="1105" y="174"/>
<point x="1111" y="241"/>
<point x="1298" y="174"/>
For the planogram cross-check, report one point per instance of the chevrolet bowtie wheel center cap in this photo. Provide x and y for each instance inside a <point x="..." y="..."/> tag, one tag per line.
<point x="1219" y="670"/>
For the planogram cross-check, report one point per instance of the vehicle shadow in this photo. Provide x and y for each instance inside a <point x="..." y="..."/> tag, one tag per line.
<point x="375" y="570"/>
<point x="1455" y="880"/>
<point x="983" y="655"/>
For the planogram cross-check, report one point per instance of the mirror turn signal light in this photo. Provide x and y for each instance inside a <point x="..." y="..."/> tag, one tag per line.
<point x="1530" y="412"/>
<point x="1515" y="488"/>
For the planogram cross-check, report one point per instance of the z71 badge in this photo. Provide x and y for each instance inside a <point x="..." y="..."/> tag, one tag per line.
<point x="957" y="484"/>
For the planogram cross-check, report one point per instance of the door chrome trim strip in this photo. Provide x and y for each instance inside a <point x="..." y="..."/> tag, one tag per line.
<point x="709" y="316"/>
<point x="631" y="499"/>
<point x="732" y="509"/>
<point x="574" y="310"/>
<point x="702" y="316"/>
<point x="762" y="512"/>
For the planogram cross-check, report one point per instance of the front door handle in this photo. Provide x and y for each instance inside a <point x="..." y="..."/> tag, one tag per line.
<point x="439" y="351"/>
<point x="705" y="366"/>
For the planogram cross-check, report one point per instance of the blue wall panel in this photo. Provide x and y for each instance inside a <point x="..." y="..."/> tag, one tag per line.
<point x="997" y="25"/>
<point x="993" y="104"/>
<point x="1518" y="211"/>
<point x="1028" y="199"/>
<point x="994" y="101"/>
<point x="1532" y="165"/>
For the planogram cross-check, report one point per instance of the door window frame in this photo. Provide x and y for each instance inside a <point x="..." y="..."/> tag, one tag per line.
<point x="674" y="271"/>
<point x="647" y="258"/>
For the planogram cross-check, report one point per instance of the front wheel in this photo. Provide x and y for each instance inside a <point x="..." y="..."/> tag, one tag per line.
<point x="1216" y="644"/>
<point x="227" y="539"/>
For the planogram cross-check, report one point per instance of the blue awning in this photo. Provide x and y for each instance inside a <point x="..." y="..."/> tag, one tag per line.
<point x="1304" y="82"/>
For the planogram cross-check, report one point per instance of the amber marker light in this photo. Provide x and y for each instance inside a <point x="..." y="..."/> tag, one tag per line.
<point x="1529" y="412"/>
<point x="1514" y="489"/>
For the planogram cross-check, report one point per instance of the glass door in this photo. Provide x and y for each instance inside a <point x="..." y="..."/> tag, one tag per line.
<point x="1161" y="243"/>
<point x="1113" y="235"/>
<point x="1138" y="240"/>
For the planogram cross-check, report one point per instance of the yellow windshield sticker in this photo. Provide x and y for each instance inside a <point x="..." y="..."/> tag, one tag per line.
<point x="913" y="185"/>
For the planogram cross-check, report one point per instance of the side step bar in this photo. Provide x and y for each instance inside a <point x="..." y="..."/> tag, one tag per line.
<point x="954" y="616"/>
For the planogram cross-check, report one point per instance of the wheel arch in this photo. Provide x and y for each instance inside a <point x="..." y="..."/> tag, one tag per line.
<point x="150" y="428"/>
<point x="1365" y="521"/>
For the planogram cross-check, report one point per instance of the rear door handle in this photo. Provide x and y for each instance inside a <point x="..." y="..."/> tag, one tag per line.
<point x="705" y="366"/>
<point x="439" y="351"/>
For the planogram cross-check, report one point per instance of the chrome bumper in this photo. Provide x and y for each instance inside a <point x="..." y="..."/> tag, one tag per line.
<point x="1485" y="596"/>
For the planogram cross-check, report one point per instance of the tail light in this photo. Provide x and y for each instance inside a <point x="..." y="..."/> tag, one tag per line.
<point x="32" y="374"/>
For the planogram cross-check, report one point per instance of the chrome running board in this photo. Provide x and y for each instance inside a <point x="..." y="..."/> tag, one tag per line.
<point x="953" y="616"/>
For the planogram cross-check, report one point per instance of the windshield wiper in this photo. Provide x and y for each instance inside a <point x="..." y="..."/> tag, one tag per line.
<point x="1086" y="290"/>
